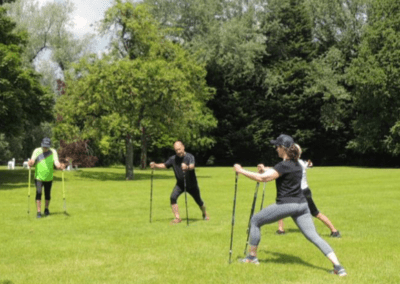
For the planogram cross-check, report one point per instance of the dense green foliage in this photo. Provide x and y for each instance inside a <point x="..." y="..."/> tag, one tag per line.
<point x="155" y="87"/>
<point x="325" y="72"/>
<point x="24" y="102"/>
<point x="48" y="29"/>
<point x="41" y="28"/>
<point x="281" y="67"/>
<point x="375" y="74"/>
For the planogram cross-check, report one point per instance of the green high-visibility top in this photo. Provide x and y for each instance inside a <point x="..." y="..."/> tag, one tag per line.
<point x="44" y="162"/>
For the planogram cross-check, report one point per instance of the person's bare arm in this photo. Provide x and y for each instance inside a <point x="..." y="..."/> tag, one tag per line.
<point x="31" y="162"/>
<point x="59" y="165"/>
<point x="157" y="166"/>
<point x="268" y="175"/>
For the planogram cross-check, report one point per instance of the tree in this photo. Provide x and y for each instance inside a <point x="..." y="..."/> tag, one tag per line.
<point x="254" y="106"/>
<point x="6" y="1"/>
<point x="77" y="153"/>
<point x="24" y="102"/>
<point x="48" y="29"/>
<point x="227" y="37"/>
<point x="375" y="77"/>
<point x="338" y="24"/>
<point x="156" y="87"/>
<point x="277" y="66"/>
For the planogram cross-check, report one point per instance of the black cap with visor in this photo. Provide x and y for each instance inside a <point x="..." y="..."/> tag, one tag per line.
<point x="46" y="142"/>
<point x="283" y="140"/>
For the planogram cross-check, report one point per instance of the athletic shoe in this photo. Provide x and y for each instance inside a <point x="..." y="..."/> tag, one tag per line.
<point x="39" y="215"/>
<point x="176" y="221"/>
<point x="46" y="212"/>
<point x="206" y="217"/>
<point x="339" y="270"/>
<point x="279" y="232"/>
<point x="250" y="259"/>
<point x="336" y="234"/>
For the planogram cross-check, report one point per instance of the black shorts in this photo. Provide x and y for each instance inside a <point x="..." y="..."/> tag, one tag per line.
<point x="47" y="189"/>
<point x="193" y="191"/>
<point x="313" y="208"/>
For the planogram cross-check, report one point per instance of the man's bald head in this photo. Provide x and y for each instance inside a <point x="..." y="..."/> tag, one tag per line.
<point x="179" y="148"/>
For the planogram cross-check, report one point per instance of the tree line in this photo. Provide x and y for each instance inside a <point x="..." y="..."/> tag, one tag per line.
<point x="225" y="77"/>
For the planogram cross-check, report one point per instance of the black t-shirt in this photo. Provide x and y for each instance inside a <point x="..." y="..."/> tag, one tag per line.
<point x="288" y="185"/>
<point x="176" y="162"/>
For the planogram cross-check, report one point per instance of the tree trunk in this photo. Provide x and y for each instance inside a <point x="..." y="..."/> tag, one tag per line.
<point x="129" y="158"/>
<point x="143" y="155"/>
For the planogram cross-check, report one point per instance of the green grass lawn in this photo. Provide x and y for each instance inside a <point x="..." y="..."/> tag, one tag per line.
<point x="107" y="238"/>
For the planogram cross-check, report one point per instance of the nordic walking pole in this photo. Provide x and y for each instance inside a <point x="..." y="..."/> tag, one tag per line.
<point x="151" y="194"/>
<point x="233" y="216"/>
<point x="251" y="215"/>
<point x="63" y="188"/>
<point x="29" y="189"/>
<point x="184" y="186"/>
<point x="262" y="200"/>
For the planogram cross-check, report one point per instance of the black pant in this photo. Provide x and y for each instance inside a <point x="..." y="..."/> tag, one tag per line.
<point x="313" y="208"/>
<point x="193" y="191"/>
<point x="47" y="189"/>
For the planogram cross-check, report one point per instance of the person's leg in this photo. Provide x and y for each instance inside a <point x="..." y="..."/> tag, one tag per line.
<point x="270" y="214"/>
<point x="304" y="222"/>
<point x="281" y="230"/>
<point x="47" y="196"/>
<point x="195" y="193"/>
<point x="327" y="222"/>
<point x="315" y="212"/>
<point x="38" y="185"/>
<point x="176" y="192"/>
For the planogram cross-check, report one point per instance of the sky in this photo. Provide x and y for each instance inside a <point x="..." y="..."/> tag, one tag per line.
<point x="86" y="14"/>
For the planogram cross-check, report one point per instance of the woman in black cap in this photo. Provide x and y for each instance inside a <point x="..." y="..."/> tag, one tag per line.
<point x="290" y="201"/>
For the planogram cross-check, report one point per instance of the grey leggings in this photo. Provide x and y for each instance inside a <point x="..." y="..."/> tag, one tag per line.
<point x="300" y="214"/>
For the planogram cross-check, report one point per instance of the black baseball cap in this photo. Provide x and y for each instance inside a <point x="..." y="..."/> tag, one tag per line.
<point x="46" y="142"/>
<point x="283" y="140"/>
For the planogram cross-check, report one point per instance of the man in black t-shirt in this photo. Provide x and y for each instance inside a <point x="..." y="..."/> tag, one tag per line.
<point x="182" y="163"/>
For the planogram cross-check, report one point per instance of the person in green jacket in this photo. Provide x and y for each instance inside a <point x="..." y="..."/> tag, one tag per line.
<point x="44" y="158"/>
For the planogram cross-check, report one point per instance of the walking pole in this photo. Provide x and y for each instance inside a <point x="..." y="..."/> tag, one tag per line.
<point x="151" y="194"/>
<point x="63" y="188"/>
<point x="251" y="215"/>
<point x="233" y="216"/>
<point x="29" y="189"/>
<point x="262" y="200"/>
<point x="187" y="214"/>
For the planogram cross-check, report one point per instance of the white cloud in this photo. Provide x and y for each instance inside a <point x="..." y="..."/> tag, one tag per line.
<point x="81" y="26"/>
<point x="86" y="14"/>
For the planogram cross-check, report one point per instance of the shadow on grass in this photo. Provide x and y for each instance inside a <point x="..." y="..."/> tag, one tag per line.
<point x="53" y="213"/>
<point x="283" y="258"/>
<point x="15" y="179"/>
<point x="292" y="231"/>
<point x="107" y="176"/>
<point x="6" y="282"/>
<point x="60" y="213"/>
<point x="168" y="220"/>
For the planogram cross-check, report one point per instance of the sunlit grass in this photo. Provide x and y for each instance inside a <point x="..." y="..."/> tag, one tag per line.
<point x="107" y="237"/>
